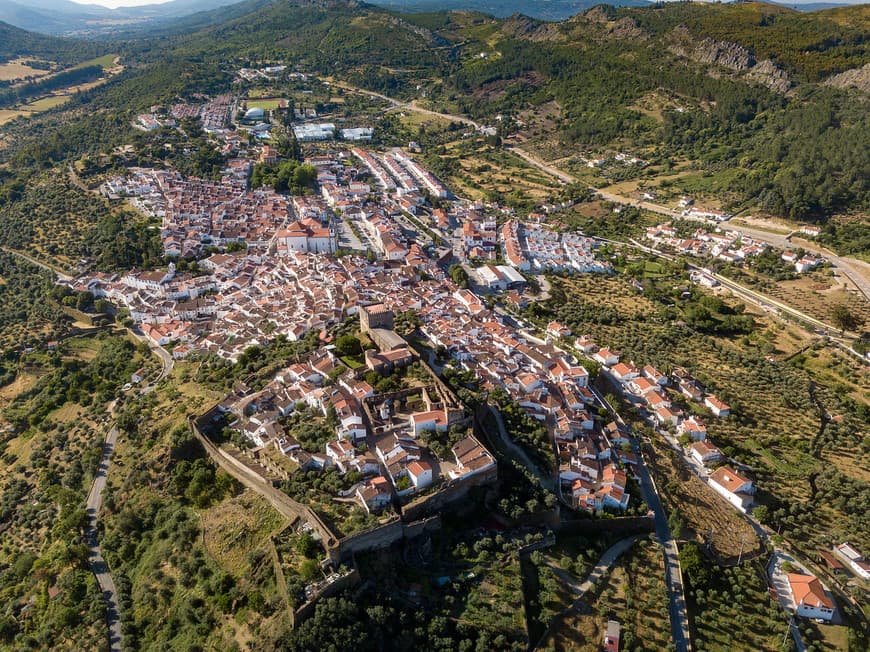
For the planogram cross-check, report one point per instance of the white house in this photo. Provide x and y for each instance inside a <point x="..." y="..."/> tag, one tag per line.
<point x="606" y="357"/>
<point x="855" y="560"/>
<point x="374" y="494"/>
<point x="716" y="406"/>
<point x="434" y="420"/>
<point x="810" y="597"/>
<point x="420" y="473"/>
<point x="655" y="375"/>
<point x="666" y="416"/>
<point x="695" y="428"/>
<point x="705" y="452"/>
<point x="732" y="486"/>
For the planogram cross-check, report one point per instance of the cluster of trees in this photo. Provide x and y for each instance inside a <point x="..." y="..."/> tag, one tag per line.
<point x="75" y="381"/>
<point x="25" y="307"/>
<point x="16" y="42"/>
<point x="287" y="176"/>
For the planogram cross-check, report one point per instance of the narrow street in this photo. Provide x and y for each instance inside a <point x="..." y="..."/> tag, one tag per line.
<point x="673" y="573"/>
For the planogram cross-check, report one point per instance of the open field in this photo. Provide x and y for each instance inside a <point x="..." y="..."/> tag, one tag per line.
<point x="106" y="61"/>
<point x="267" y="104"/>
<point x="7" y="115"/>
<point x="46" y="103"/>
<point x="18" y="69"/>
<point x="478" y="171"/>
<point x="235" y="527"/>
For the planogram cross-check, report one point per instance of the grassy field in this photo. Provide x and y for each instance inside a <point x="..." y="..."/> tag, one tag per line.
<point x="483" y="172"/>
<point x="237" y="526"/>
<point x="8" y="115"/>
<point x="46" y="103"/>
<point x="18" y="69"/>
<point x="267" y="104"/>
<point x="106" y="61"/>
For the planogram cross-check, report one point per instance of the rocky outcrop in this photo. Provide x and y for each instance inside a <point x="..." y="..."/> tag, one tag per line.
<point x="710" y="51"/>
<point x="855" y="78"/>
<point x="767" y="73"/>
<point x="627" y="28"/>
<point x="730" y="55"/>
<point x="530" y="29"/>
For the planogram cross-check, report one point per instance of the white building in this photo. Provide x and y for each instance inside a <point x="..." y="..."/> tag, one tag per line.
<point x="434" y="420"/>
<point x="810" y="597"/>
<point x="705" y="452"/>
<point x="355" y="135"/>
<point x="695" y="428"/>
<point x="854" y="559"/>
<point x="732" y="486"/>
<point x="420" y="473"/>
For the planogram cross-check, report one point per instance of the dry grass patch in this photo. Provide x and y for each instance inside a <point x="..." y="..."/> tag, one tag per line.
<point x="18" y="69"/>
<point x="237" y="526"/>
<point x="701" y="508"/>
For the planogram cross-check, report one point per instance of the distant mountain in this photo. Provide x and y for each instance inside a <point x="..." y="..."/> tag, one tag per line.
<point x="71" y="18"/>
<point x="813" y="6"/>
<point x="542" y="9"/>
<point x="16" y="42"/>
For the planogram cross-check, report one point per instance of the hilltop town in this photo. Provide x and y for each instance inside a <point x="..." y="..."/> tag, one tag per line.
<point x="331" y="327"/>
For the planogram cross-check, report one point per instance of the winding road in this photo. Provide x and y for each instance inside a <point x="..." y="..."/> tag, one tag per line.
<point x="95" y="557"/>
<point x="165" y="356"/>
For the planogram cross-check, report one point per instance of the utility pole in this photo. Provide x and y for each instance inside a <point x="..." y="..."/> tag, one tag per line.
<point x="740" y="556"/>
<point x="787" y="632"/>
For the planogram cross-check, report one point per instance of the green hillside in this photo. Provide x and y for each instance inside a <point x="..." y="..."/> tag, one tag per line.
<point x="15" y="42"/>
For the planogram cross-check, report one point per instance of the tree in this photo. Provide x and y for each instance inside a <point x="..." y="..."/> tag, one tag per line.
<point x="845" y="319"/>
<point x="459" y="275"/>
<point x="348" y="345"/>
<point x="760" y="513"/>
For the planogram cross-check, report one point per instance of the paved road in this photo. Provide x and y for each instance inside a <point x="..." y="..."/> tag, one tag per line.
<point x="679" y="614"/>
<point x="857" y="271"/>
<point x="409" y="106"/>
<point x="673" y="573"/>
<point x="165" y="356"/>
<point x="783" y="592"/>
<point x="607" y="560"/>
<point x="753" y="296"/>
<point x="95" y="557"/>
<point x="561" y="175"/>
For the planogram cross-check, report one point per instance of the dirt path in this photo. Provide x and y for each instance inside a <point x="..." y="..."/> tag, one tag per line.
<point x="580" y="589"/>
